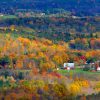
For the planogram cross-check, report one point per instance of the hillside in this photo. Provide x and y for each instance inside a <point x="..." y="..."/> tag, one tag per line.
<point x="53" y="28"/>
<point x="49" y="49"/>
<point x="76" y="7"/>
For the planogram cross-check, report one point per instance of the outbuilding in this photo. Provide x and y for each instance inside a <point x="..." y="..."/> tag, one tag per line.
<point x="69" y="66"/>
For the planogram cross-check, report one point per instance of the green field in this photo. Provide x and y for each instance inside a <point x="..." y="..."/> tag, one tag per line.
<point x="7" y="17"/>
<point x="80" y="73"/>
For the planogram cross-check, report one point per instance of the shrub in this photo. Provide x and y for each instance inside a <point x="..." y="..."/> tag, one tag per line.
<point x="5" y="61"/>
<point x="74" y="89"/>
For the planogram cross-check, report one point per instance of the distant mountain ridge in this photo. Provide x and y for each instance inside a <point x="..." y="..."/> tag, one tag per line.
<point x="77" y="7"/>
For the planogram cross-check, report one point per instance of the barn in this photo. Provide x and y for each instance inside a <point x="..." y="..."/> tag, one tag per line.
<point x="69" y="65"/>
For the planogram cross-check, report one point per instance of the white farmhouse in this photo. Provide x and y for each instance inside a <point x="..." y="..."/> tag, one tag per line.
<point x="69" y="65"/>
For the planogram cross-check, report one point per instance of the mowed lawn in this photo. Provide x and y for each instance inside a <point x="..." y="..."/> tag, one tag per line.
<point x="4" y="17"/>
<point x="80" y="73"/>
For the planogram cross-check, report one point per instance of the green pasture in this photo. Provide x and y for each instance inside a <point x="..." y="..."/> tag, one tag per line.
<point x="80" y="73"/>
<point x="7" y="17"/>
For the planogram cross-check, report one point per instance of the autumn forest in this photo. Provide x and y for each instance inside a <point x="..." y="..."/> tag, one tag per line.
<point x="49" y="51"/>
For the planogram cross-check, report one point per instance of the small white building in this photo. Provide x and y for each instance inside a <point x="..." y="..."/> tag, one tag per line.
<point x="69" y="65"/>
<point x="98" y="69"/>
<point x="1" y="15"/>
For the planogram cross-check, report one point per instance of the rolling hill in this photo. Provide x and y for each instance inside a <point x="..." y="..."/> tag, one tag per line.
<point x="77" y="7"/>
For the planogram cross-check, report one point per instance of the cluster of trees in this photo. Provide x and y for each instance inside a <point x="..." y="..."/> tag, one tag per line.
<point x="19" y="53"/>
<point x="41" y="56"/>
<point x="41" y="88"/>
<point x="85" y="44"/>
<point x="55" y="28"/>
